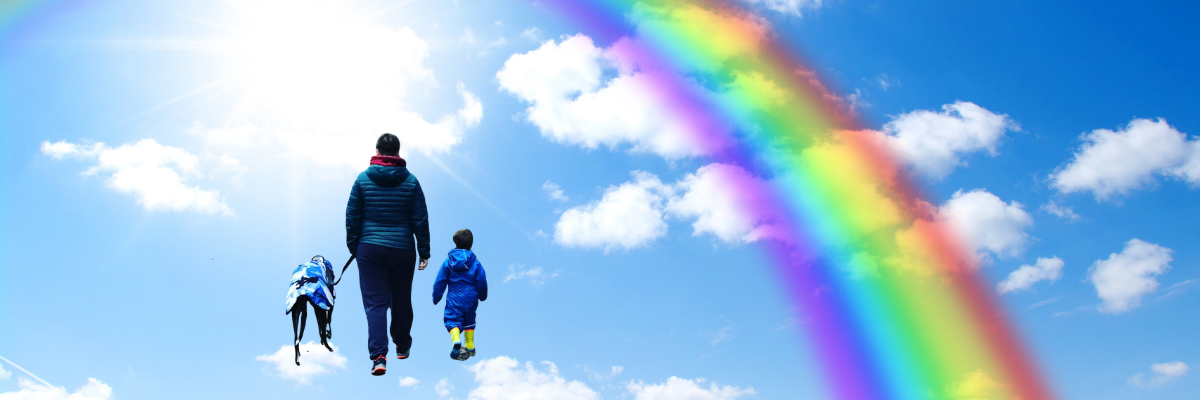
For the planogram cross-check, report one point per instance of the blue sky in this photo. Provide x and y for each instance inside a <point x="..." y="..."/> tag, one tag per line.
<point x="157" y="263"/>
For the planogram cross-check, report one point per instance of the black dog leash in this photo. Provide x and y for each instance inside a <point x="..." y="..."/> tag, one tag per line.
<point x="343" y="274"/>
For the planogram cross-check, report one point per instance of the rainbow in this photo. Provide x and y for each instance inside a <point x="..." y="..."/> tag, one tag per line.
<point x="891" y="302"/>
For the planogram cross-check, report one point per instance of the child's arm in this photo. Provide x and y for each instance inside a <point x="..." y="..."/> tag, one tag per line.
<point x="439" y="284"/>
<point x="480" y="281"/>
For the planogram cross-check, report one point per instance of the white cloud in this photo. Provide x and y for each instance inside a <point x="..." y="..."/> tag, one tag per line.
<point x="613" y="372"/>
<point x="443" y="387"/>
<point x="1167" y="371"/>
<point x="1062" y="212"/>
<point x="1045" y="269"/>
<point x="532" y="33"/>
<point x="30" y="390"/>
<point x="719" y="210"/>
<point x="468" y="36"/>
<point x="632" y="214"/>
<point x="686" y="389"/>
<point x="535" y="275"/>
<point x="4" y="374"/>
<point x="554" y="191"/>
<point x="793" y="7"/>
<point x="886" y="82"/>
<point x="315" y="360"/>
<point x="1123" y="278"/>
<point x="987" y="223"/>
<point x="1161" y="374"/>
<point x="1114" y="163"/>
<point x="722" y="336"/>
<point x="503" y="378"/>
<point x="152" y="172"/>
<point x="408" y="381"/>
<point x="628" y="216"/>
<point x="571" y="103"/>
<point x="321" y="80"/>
<point x="934" y="143"/>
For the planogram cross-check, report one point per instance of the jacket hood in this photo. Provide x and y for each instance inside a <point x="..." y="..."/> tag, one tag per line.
<point x="461" y="259"/>
<point x="388" y="176"/>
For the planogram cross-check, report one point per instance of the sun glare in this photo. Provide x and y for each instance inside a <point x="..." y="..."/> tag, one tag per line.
<point x="317" y="61"/>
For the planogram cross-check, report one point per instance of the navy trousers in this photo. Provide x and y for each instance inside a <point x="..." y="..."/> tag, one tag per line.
<point x="385" y="277"/>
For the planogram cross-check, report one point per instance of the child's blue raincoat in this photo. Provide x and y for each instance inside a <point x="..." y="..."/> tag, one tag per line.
<point x="464" y="276"/>
<point x="315" y="280"/>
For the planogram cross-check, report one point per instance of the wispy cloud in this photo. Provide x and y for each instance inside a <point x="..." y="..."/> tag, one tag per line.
<point x="723" y="335"/>
<point x="554" y="191"/>
<point x="1045" y="302"/>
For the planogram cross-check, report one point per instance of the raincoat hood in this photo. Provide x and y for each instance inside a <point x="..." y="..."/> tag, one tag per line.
<point x="461" y="259"/>
<point x="387" y="175"/>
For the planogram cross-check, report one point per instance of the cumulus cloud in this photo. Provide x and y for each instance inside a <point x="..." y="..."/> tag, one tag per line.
<point x="1045" y="269"/>
<point x="30" y="390"/>
<point x="627" y="217"/>
<point x="554" y="191"/>
<point x="1160" y="374"/>
<point x="321" y="80"/>
<point x="1117" y="162"/>
<point x="675" y="388"/>
<point x="633" y="214"/>
<point x="408" y="381"/>
<point x="1123" y="278"/>
<point x="934" y="143"/>
<point x="4" y="374"/>
<point x="987" y="223"/>
<point x="153" y="173"/>
<point x="315" y="360"/>
<point x="572" y="103"/>
<point x="706" y="195"/>
<point x="503" y="378"/>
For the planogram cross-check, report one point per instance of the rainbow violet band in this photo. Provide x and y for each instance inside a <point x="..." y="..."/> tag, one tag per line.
<point x="890" y="299"/>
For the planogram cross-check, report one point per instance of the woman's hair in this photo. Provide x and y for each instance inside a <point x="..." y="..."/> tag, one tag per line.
<point x="463" y="239"/>
<point x="388" y="145"/>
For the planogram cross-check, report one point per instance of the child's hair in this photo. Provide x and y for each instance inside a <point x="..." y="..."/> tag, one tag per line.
<point x="463" y="239"/>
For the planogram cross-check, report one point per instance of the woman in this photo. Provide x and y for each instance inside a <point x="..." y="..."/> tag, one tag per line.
<point x="386" y="210"/>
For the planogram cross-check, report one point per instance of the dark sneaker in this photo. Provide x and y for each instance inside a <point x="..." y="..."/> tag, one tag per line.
<point x="468" y="353"/>
<point x="457" y="352"/>
<point x="401" y="354"/>
<point x="380" y="366"/>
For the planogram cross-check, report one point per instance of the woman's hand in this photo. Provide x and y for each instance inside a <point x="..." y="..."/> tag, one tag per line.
<point x="424" y="263"/>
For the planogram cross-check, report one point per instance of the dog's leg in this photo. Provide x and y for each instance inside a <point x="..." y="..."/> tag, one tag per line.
<point x="297" y="331"/>
<point x="323" y="326"/>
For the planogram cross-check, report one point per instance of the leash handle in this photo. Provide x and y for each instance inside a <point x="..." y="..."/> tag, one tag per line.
<point x="343" y="274"/>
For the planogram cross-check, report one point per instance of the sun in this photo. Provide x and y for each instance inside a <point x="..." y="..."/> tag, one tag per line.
<point x="317" y="61"/>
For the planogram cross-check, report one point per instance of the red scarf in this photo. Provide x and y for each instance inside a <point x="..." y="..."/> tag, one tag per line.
<point x="388" y="161"/>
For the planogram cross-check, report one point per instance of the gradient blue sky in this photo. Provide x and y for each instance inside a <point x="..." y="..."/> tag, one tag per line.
<point x="181" y="302"/>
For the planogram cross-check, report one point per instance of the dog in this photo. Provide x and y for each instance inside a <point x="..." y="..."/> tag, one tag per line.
<point x="312" y="283"/>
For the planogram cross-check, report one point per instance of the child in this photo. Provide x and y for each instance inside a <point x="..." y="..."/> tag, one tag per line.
<point x="467" y="287"/>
